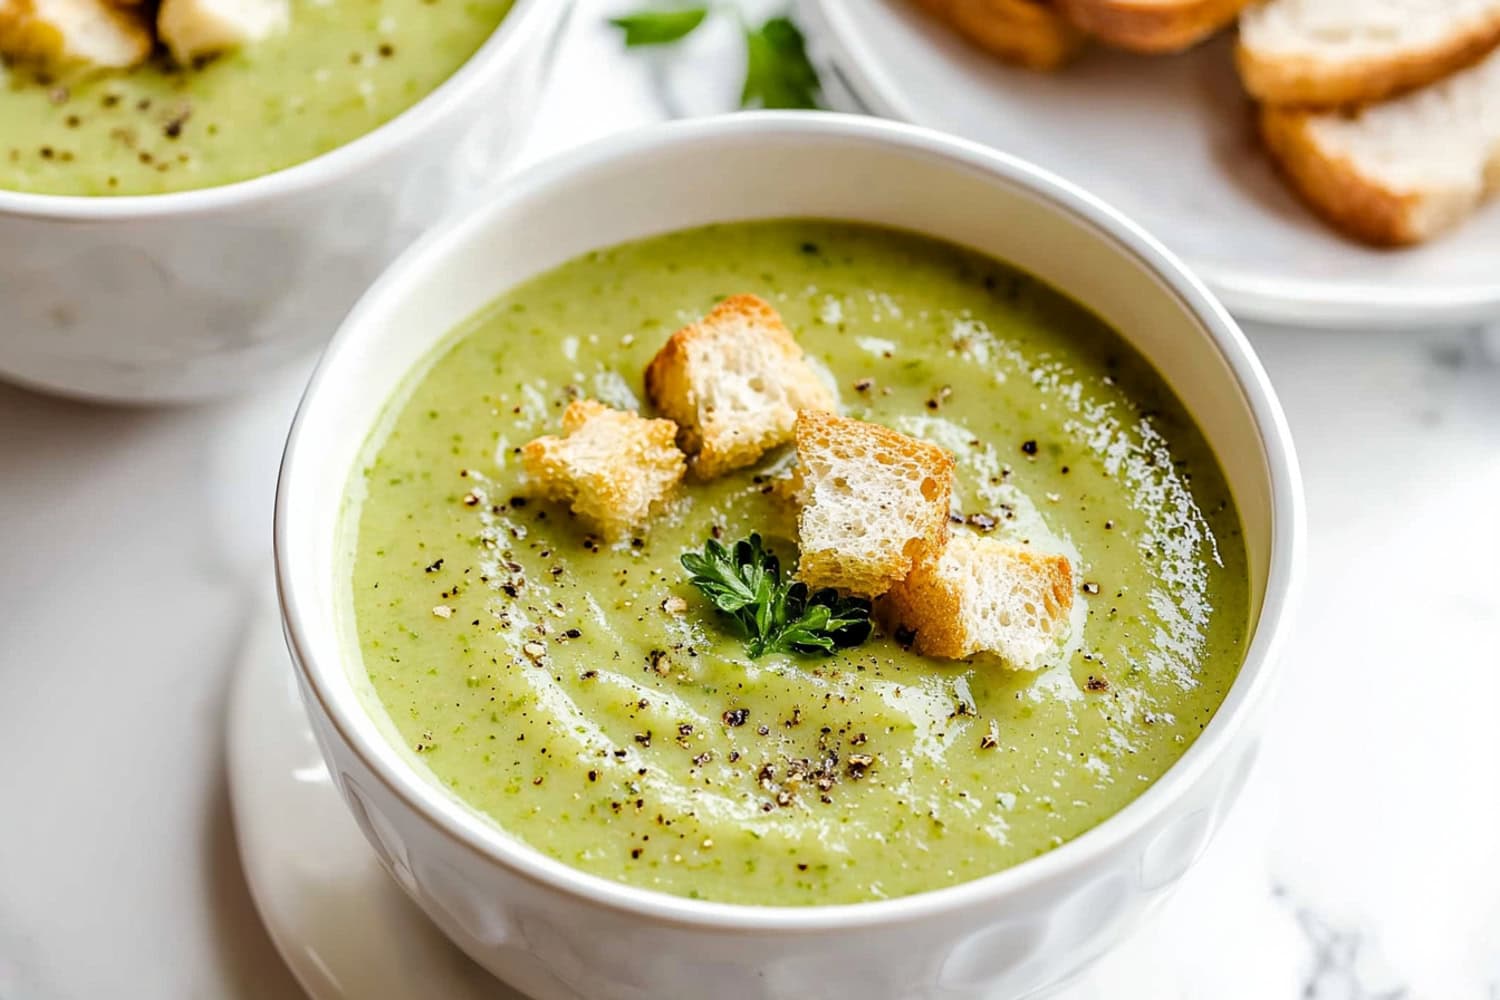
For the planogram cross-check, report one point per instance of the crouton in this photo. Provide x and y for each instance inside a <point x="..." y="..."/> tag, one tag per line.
<point x="79" y="33"/>
<point x="984" y="595"/>
<point x="734" y="382"/>
<point x="611" y="466"/>
<point x="192" y="29"/>
<point x="873" y="501"/>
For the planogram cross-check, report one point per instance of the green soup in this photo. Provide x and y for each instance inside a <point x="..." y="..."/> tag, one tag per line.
<point x="620" y="754"/>
<point x="343" y="68"/>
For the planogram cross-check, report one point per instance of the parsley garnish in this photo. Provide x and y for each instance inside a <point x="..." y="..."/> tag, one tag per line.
<point x="778" y="73"/>
<point x="744" y="583"/>
<point x="659" y="27"/>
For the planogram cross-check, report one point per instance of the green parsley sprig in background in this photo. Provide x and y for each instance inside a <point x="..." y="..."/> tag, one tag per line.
<point x="778" y="73"/>
<point x="744" y="583"/>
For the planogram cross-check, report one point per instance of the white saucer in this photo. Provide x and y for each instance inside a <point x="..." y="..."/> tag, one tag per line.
<point x="349" y="933"/>
<point x="342" y="925"/>
<point x="1169" y="141"/>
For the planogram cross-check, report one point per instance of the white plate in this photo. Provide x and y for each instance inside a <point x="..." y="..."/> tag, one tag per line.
<point x="1170" y="141"/>
<point x="345" y="929"/>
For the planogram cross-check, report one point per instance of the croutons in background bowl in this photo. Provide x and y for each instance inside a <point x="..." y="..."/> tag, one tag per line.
<point x="556" y="932"/>
<point x="188" y="295"/>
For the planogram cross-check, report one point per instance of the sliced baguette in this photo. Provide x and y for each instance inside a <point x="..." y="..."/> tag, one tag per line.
<point x="872" y="502"/>
<point x="1334" y="52"/>
<point x="1029" y="33"/>
<point x="1398" y="172"/>
<point x="734" y="382"/>
<point x="611" y="466"/>
<point x="982" y="595"/>
<point x="1152" y="26"/>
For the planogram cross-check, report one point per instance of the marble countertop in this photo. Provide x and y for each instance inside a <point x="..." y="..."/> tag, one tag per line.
<point x="1360" y="864"/>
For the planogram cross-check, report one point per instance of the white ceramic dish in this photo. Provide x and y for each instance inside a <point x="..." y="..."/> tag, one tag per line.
<point x="165" y="298"/>
<point x="557" y="933"/>
<point x="1170" y="142"/>
<point x="348" y="932"/>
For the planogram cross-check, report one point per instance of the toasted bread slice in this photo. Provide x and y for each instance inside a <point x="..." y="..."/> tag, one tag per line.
<point x="1029" y="33"/>
<point x="1401" y="171"/>
<point x="1152" y="26"/>
<point x="76" y="32"/>
<point x="613" y="467"/>
<point x="872" y="501"/>
<point x="734" y="382"/>
<point x="1334" y="52"/>
<point x="983" y="595"/>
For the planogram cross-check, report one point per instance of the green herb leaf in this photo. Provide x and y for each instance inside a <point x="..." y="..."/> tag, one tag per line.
<point x="659" y="27"/>
<point x="744" y="584"/>
<point x="778" y="73"/>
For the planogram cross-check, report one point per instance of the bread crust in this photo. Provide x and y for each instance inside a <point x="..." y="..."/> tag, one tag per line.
<point x="1154" y="27"/>
<point x="1029" y="33"/>
<point x="1333" y="186"/>
<point x="1312" y="82"/>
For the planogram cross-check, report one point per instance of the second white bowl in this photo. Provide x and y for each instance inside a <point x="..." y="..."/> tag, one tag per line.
<point x="174" y="297"/>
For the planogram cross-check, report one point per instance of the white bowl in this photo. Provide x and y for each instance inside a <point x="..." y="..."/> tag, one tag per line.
<point x="172" y="297"/>
<point x="556" y="932"/>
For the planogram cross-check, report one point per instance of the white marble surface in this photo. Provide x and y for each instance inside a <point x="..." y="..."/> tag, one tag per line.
<point x="1362" y="863"/>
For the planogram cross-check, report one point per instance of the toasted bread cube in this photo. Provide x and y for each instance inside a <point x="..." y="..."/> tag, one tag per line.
<point x="73" y="32"/>
<point x="984" y="595"/>
<point x="611" y="466"/>
<point x="734" y="382"/>
<point x="873" y="501"/>
<point x="195" y="28"/>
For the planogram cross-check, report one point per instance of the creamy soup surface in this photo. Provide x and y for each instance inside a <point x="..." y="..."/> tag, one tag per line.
<point x="343" y="68"/>
<point x="645" y="746"/>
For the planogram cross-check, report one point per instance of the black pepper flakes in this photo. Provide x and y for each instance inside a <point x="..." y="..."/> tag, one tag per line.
<point x="1029" y="448"/>
<point x="982" y="522"/>
<point x="658" y="661"/>
<point x="736" y="716"/>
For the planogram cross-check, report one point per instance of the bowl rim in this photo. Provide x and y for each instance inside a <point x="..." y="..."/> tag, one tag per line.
<point x="513" y="31"/>
<point x="481" y="837"/>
